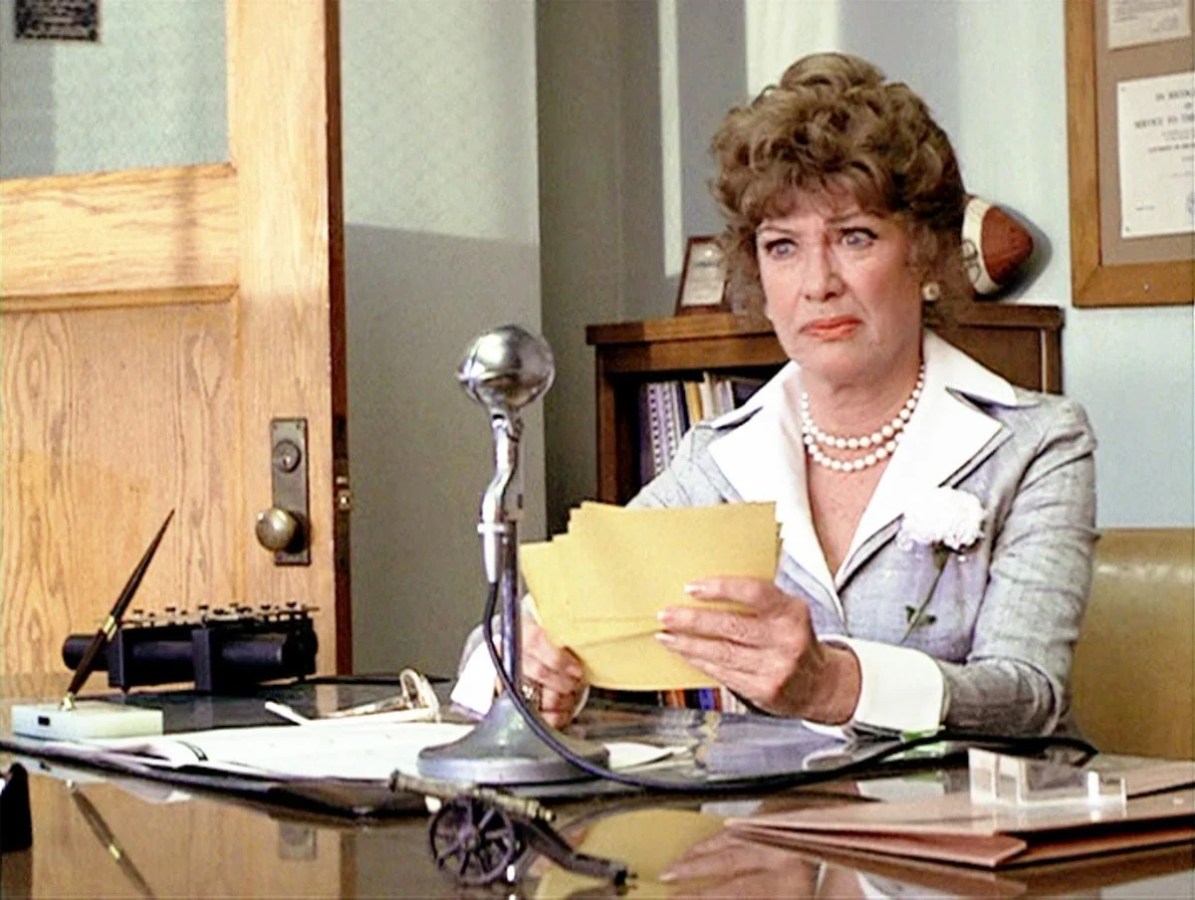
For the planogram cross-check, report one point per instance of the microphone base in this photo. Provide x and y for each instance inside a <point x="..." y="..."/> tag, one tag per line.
<point x="502" y="749"/>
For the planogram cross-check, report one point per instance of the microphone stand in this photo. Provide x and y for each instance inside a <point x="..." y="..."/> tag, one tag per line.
<point x="504" y="370"/>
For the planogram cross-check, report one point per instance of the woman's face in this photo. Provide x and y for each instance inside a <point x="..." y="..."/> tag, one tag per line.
<point x="840" y="293"/>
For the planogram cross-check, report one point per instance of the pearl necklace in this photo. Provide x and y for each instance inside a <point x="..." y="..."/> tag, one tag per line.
<point x="881" y="443"/>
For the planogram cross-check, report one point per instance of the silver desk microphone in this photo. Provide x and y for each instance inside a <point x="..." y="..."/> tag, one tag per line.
<point x="504" y="370"/>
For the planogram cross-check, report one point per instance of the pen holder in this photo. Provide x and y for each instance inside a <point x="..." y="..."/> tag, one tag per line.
<point x="86" y="720"/>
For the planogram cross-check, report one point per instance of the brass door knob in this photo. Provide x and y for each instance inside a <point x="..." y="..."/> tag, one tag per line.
<point x="279" y="530"/>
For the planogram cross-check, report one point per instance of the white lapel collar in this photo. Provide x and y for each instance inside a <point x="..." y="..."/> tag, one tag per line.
<point x="764" y="460"/>
<point x="945" y="433"/>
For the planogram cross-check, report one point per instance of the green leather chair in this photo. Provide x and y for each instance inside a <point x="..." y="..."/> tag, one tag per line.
<point x="1133" y="682"/>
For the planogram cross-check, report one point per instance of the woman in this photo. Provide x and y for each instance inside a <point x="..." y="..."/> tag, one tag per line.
<point x="844" y="208"/>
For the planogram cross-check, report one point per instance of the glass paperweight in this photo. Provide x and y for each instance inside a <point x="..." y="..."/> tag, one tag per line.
<point x="1012" y="781"/>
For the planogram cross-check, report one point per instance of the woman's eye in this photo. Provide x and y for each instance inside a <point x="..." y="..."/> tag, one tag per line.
<point x="778" y="248"/>
<point x="858" y="237"/>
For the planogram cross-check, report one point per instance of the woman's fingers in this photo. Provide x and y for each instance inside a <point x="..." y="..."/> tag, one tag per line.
<point x="709" y="651"/>
<point x="557" y="707"/>
<point x="772" y="619"/>
<point x="730" y="627"/>
<point x="754" y="593"/>
<point x="768" y="653"/>
<point x="555" y="669"/>
<point x="556" y="674"/>
<point x="549" y="677"/>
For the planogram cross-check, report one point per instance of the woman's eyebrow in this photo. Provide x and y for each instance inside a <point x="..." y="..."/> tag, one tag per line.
<point x="855" y="213"/>
<point x="834" y="222"/>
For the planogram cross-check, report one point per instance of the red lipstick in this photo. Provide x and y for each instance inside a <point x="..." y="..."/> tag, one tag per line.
<point x="832" y="328"/>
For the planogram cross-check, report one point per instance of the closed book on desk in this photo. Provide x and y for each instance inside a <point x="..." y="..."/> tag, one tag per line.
<point x="954" y="829"/>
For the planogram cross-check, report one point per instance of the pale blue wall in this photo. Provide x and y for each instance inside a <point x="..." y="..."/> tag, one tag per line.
<point x="442" y="243"/>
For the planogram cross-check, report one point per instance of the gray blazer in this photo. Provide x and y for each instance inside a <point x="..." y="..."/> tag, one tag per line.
<point x="1004" y="617"/>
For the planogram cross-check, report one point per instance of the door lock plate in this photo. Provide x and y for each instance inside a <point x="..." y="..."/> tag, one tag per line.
<point x="285" y="528"/>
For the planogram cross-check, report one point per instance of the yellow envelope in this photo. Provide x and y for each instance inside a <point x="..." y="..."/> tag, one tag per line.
<point x="650" y="841"/>
<point x="598" y="588"/>
<point x="639" y="663"/>
<point x="631" y="563"/>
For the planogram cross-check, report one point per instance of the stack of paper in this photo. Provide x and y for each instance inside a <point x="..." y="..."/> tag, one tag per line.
<point x="598" y="588"/>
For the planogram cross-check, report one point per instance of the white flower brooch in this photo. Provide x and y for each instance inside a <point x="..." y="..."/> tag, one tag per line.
<point x="949" y="521"/>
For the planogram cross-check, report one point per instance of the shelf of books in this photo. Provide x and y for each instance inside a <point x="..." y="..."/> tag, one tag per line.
<point x="667" y="409"/>
<point x="655" y="378"/>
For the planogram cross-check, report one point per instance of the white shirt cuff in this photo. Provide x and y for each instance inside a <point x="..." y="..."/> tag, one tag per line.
<point x="901" y="689"/>
<point x="474" y="688"/>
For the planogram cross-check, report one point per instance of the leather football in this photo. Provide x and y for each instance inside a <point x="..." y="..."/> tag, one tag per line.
<point x="995" y="246"/>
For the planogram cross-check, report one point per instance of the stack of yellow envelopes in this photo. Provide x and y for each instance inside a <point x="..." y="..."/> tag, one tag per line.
<point x="598" y="587"/>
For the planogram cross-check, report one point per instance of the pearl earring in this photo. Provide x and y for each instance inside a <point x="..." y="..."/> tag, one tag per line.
<point x="931" y="292"/>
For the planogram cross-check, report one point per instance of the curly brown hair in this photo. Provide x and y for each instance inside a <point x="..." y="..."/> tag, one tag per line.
<point x="835" y="124"/>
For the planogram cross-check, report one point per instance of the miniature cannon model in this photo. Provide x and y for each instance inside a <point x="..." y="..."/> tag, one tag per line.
<point x="479" y="835"/>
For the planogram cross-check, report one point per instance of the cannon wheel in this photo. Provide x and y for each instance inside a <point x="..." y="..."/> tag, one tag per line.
<point x="473" y="842"/>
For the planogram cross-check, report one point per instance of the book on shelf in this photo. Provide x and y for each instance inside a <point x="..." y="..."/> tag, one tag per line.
<point x="743" y="388"/>
<point x="650" y="445"/>
<point x="694" y="403"/>
<point x="676" y="420"/>
<point x="705" y="390"/>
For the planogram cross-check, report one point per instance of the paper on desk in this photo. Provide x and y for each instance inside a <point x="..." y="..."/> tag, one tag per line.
<point x="599" y="587"/>
<point x="365" y="749"/>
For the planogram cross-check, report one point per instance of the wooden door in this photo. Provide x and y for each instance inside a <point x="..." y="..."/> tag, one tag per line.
<point x="152" y="323"/>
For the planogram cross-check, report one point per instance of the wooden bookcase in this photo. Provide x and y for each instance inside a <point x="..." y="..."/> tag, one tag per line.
<point x="1021" y="342"/>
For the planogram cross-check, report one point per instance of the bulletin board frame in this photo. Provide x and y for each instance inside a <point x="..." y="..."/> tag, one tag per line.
<point x="1107" y="270"/>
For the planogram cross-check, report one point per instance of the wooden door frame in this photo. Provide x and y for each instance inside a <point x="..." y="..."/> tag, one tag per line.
<point x="282" y="193"/>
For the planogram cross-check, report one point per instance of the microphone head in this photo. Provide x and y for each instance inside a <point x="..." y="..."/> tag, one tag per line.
<point x="506" y="368"/>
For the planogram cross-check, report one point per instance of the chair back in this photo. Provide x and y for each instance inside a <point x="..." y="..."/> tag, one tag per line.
<point x="1133" y="682"/>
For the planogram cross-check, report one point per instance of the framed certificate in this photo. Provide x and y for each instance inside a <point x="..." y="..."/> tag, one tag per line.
<point x="703" y="279"/>
<point x="1132" y="207"/>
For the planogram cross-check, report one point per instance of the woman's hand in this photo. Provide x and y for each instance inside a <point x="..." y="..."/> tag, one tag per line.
<point x="558" y="673"/>
<point x="729" y="866"/>
<point x="769" y="654"/>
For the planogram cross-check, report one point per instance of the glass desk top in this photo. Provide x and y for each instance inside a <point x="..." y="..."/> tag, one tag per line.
<point x="100" y="834"/>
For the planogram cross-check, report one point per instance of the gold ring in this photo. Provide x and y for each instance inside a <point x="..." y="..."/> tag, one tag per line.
<point x="531" y="691"/>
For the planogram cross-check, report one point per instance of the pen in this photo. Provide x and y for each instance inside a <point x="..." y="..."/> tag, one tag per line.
<point x="286" y="712"/>
<point x="101" y="830"/>
<point x="108" y="628"/>
<point x="417" y="696"/>
<point x="395" y="714"/>
<point x="391" y="704"/>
